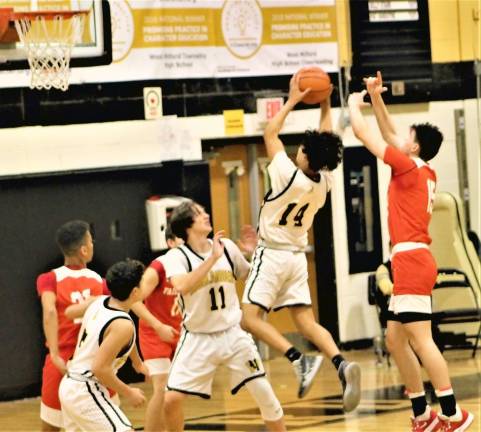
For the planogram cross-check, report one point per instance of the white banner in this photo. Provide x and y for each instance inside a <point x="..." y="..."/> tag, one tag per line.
<point x="171" y="39"/>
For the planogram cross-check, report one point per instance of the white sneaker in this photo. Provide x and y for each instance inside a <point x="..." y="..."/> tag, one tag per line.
<point x="306" y="368"/>
<point x="350" y="376"/>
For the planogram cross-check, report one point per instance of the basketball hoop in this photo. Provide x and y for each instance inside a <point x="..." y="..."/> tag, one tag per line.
<point x="48" y="38"/>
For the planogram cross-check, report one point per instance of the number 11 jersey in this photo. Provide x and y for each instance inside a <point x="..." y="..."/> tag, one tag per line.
<point x="288" y="209"/>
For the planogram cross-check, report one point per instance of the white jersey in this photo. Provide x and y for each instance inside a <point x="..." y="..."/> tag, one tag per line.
<point x="214" y="305"/>
<point x="96" y="319"/>
<point x="288" y="209"/>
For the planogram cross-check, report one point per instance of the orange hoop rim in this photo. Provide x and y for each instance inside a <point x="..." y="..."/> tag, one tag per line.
<point x="9" y="14"/>
<point x="48" y="15"/>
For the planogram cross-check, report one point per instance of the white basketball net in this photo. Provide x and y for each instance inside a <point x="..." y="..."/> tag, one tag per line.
<point x="48" y="43"/>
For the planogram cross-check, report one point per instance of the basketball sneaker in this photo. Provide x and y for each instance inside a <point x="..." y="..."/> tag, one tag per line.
<point x="306" y="368"/>
<point x="457" y="423"/>
<point x="425" y="422"/>
<point x="350" y="376"/>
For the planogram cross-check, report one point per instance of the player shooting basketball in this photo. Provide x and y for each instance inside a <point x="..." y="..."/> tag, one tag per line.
<point x="278" y="277"/>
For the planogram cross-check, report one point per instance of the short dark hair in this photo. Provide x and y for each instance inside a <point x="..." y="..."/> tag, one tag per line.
<point x="182" y="218"/>
<point x="323" y="150"/>
<point x="123" y="277"/>
<point x="169" y="235"/>
<point x="429" y="138"/>
<point x="71" y="236"/>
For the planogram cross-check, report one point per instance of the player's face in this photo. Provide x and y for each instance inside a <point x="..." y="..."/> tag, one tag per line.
<point x="301" y="160"/>
<point x="201" y="223"/>
<point x="410" y="146"/>
<point x="88" y="247"/>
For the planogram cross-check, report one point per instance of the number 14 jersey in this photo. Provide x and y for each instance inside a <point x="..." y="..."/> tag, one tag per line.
<point x="289" y="208"/>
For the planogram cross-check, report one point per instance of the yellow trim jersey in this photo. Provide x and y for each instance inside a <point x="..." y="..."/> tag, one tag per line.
<point x="288" y="209"/>
<point x="96" y="320"/>
<point x="213" y="305"/>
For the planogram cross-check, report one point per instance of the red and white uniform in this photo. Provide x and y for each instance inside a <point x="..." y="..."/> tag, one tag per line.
<point x="70" y="285"/>
<point x="410" y="203"/>
<point x="161" y="303"/>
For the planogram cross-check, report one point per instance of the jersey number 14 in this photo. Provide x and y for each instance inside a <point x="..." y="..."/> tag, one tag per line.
<point x="298" y="216"/>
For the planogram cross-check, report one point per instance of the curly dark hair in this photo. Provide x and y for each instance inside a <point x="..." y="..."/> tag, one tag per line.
<point x="71" y="236"/>
<point x="429" y="138"/>
<point x="123" y="277"/>
<point x="323" y="150"/>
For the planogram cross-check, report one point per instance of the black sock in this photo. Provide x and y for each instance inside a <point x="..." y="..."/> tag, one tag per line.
<point x="419" y="404"/>
<point x="337" y="360"/>
<point x="448" y="404"/>
<point x="293" y="354"/>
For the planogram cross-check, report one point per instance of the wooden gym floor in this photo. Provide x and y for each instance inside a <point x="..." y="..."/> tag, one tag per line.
<point x="383" y="406"/>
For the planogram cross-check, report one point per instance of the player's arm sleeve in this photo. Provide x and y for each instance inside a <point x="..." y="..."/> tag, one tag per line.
<point x="241" y="265"/>
<point x="46" y="282"/>
<point x="105" y="287"/>
<point x="280" y="170"/>
<point x="175" y="263"/>
<point x="398" y="161"/>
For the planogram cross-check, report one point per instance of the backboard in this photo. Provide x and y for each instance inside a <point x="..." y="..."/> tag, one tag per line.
<point x="95" y="48"/>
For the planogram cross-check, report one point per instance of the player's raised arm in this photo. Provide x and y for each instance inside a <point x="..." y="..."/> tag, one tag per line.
<point x="189" y="282"/>
<point x="273" y="128"/>
<point x="361" y="128"/>
<point x="375" y="89"/>
<point x="325" y="124"/>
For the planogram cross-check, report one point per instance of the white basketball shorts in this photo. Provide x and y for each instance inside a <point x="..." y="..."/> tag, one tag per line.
<point x="278" y="278"/>
<point x="198" y="356"/>
<point x="86" y="405"/>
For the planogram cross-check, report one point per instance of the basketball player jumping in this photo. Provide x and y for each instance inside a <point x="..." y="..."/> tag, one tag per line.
<point x="410" y="201"/>
<point x="278" y="277"/>
<point x="204" y="272"/>
<point x="106" y="339"/>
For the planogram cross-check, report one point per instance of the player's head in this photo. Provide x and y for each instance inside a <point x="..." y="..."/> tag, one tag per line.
<point x="424" y="141"/>
<point x="171" y="239"/>
<point x="190" y="217"/>
<point x="319" y="151"/>
<point x="74" y="239"/>
<point x="123" y="278"/>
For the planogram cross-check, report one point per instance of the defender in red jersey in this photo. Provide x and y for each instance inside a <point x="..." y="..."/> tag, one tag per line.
<point x="410" y="201"/>
<point x="72" y="283"/>
<point x="161" y="302"/>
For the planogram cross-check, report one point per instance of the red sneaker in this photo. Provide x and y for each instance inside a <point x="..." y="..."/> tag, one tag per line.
<point x="430" y="425"/>
<point x="449" y="425"/>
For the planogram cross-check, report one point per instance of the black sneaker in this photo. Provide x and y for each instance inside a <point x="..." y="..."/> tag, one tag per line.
<point x="306" y="368"/>
<point x="350" y="376"/>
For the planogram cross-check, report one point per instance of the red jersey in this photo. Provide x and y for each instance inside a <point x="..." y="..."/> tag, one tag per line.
<point x="410" y="197"/>
<point x="161" y="301"/>
<point x="71" y="285"/>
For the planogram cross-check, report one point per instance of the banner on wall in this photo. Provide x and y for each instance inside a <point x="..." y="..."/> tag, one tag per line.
<point x="171" y="39"/>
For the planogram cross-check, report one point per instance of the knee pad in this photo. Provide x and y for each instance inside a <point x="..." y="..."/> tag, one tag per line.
<point x="261" y="390"/>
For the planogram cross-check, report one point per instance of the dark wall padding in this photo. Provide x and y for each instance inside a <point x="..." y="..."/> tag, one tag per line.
<point x="32" y="208"/>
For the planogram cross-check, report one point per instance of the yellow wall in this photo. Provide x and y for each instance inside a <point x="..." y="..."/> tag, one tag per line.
<point x="455" y="30"/>
<point x="455" y="27"/>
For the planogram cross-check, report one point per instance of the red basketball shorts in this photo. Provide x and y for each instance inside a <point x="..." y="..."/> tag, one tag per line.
<point x="414" y="272"/>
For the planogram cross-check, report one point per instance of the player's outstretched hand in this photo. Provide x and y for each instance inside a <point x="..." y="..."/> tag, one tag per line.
<point x="295" y="93"/>
<point x="218" y="246"/>
<point x="166" y="332"/>
<point x="356" y="99"/>
<point x="135" y="397"/>
<point x="248" y="240"/>
<point x="59" y="363"/>
<point x="374" y="84"/>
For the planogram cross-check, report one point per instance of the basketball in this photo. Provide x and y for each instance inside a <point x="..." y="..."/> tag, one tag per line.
<point x="318" y="81"/>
